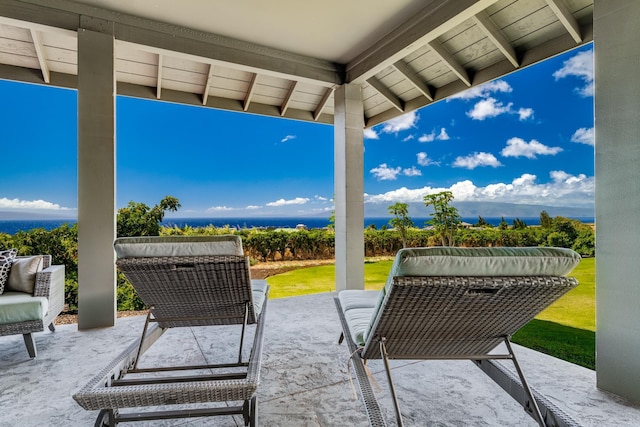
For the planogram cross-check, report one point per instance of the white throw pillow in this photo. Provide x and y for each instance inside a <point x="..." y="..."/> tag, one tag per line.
<point x="22" y="277"/>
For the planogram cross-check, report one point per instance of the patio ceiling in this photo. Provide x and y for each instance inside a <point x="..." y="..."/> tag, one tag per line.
<point x="286" y="58"/>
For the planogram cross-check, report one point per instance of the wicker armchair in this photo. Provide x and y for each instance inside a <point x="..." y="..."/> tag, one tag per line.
<point x="456" y="303"/>
<point x="17" y="314"/>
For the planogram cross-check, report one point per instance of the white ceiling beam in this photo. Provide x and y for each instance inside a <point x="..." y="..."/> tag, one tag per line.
<point x="42" y="60"/>
<point x="565" y="16"/>
<point x="207" y="84"/>
<point x="250" y="90"/>
<point x="386" y="93"/>
<point x="494" y="34"/>
<point x="404" y="69"/>
<point x="217" y="49"/>
<point x="287" y="99"/>
<point x="450" y="61"/>
<point x="159" y="84"/>
<point x="438" y="17"/>
<point x="322" y="104"/>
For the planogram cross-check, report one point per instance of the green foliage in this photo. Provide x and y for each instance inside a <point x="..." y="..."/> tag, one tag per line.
<point x="519" y="224"/>
<point x="482" y="223"/>
<point x="445" y="218"/>
<point x="137" y="219"/>
<point x="545" y="220"/>
<point x="503" y="224"/>
<point x="126" y="296"/>
<point x="401" y="221"/>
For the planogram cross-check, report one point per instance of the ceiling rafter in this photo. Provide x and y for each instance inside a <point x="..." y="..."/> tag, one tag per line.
<point x="288" y="98"/>
<point x="207" y="85"/>
<point x="483" y="20"/>
<point x="413" y="78"/>
<point x="322" y="104"/>
<point x="386" y="93"/>
<point x="159" y="78"/>
<point x="250" y="91"/>
<point x="450" y="61"/>
<point x="42" y="60"/>
<point x="435" y="19"/>
<point x="565" y="16"/>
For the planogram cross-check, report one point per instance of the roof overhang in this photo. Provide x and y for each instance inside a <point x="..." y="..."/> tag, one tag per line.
<point x="286" y="58"/>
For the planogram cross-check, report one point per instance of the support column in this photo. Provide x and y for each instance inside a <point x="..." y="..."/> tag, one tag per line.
<point x="96" y="180"/>
<point x="617" y="109"/>
<point x="349" y="186"/>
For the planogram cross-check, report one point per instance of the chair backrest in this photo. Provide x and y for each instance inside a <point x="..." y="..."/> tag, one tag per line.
<point x="457" y="302"/>
<point x="189" y="280"/>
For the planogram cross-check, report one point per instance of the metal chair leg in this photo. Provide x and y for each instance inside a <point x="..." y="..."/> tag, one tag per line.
<point x="533" y="405"/>
<point x="383" y="351"/>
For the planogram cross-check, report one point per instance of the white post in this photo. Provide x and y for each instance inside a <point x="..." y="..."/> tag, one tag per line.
<point x="617" y="107"/>
<point x="349" y="186"/>
<point x="96" y="180"/>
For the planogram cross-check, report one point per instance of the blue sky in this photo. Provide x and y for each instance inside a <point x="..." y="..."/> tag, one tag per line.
<point x="526" y="138"/>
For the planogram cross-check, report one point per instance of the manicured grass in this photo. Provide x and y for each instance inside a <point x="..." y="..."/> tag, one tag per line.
<point x="565" y="330"/>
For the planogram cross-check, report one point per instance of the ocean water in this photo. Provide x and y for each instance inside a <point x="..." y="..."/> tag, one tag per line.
<point x="12" y="226"/>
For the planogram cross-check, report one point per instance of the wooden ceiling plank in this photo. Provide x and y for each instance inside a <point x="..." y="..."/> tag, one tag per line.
<point x="205" y="93"/>
<point x="386" y="93"/>
<point x="451" y="62"/>
<point x="435" y="19"/>
<point x="37" y="44"/>
<point x="159" y="79"/>
<point x="250" y="91"/>
<point x="494" y="34"/>
<point x="323" y="103"/>
<point x="287" y="99"/>
<point x="415" y="80"/>
<point x="567" y="19"/>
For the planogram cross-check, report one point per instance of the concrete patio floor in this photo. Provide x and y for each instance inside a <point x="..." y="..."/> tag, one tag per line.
<point x="304" y="377"/>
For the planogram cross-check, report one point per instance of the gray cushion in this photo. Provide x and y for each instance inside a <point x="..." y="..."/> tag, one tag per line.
<point x="358" y="320"/>
<point x="357" y="299"/>
<point x="6" y="259"/>
<point x="129" y="247"/>
<point x="22" y="277"/>
<point x="259" y="291"/>
<point x="20" y="307"/>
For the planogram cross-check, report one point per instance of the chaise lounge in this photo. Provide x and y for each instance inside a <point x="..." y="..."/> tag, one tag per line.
<point x="456" y="303"/>
<point x="185" y="282"/>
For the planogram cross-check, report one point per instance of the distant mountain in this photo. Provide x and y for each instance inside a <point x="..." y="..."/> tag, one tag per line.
<point x="22" y="215"/>
<point x="487" y="210"/>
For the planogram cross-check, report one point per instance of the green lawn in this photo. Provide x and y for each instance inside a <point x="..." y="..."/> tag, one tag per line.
<point x="565" y="330"/>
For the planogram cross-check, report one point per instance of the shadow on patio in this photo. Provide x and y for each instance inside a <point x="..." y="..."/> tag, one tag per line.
<point x="304" y="378"/>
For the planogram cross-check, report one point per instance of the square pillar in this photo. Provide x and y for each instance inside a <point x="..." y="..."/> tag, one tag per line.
<point x="617" y="107"/>
<point x="349" y="186"/>
<point x="96" y="180"/>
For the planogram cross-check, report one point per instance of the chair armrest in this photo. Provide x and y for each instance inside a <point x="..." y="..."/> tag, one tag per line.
<point x="50" y="284"/>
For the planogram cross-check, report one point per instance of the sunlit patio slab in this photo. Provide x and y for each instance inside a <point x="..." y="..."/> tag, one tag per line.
<point x="305" y="380"/>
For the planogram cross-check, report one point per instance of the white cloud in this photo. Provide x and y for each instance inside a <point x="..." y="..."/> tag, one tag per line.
<point x="283" y="202"/>
<point x="525" y="113"/>
<point x="288" y="138"/>
<point x="322" y="199"/>
<point x="563" y="190"/>
<point x="580" y="66"/>
<point x="370" y="133"/>
<point x="412" y="171"/>
<point x="424" y="160"/>
<point x="408" y="138"/>
<point x="220" y="209"/>
<point x="483" y="91"/>
<point x="404" y="122"/>
<point x="6" y="203"/>
<point x="475" y="160"/>
<point x="584" y="136"/>
<point x="385" y="173"/>
<point x="489" y="107"/>
<point x="517" y="147"/>
<point x="253" y="207"/>
<point x="428" y="138"/>
<point x="443" y="135"/>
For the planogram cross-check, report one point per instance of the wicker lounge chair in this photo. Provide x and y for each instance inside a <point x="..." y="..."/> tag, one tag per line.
<point x="456" y="303"/>
<point x="185" y="281"/>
